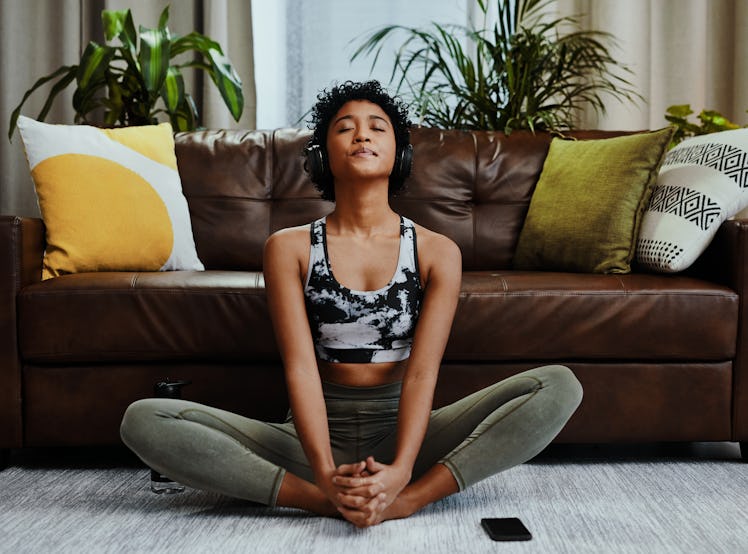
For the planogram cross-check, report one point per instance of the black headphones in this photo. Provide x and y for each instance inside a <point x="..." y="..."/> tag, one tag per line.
<point x="319" y="168"/>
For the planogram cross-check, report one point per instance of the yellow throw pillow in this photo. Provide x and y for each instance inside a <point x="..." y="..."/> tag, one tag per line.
<point x="111" y="199"/>
<point x="587" y="207"/>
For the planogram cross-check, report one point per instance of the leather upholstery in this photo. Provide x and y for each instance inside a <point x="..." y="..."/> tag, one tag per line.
<point x="661" y="357"/>
<point x="473" y="187"/>
<point x="562" y="316"/>
<point x="144" y="317"/>
<point x="122" y="317"/>
<point x="624" y="402"/>
<point x="21" y="248"/>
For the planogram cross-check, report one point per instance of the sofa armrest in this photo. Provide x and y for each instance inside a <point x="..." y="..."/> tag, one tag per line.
<point x="21" y="252"/>
<point x="726" y="261"/>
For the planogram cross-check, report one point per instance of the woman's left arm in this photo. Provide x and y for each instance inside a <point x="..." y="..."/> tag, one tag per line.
<point x="442" y="267"/>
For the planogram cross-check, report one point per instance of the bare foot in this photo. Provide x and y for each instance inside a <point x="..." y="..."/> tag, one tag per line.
<point x="327" y="509"/>
<point x="298" y="493"/>
<point x="399" y="509"/>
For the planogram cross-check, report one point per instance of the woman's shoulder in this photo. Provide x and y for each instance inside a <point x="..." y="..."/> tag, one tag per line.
<point x="435" y="247"/>
<point x="433" y="240"/>
<point x="289" y="239"/>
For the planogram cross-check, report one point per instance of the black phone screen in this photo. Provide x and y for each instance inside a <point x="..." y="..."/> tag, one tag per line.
<point x="505" y="529"/>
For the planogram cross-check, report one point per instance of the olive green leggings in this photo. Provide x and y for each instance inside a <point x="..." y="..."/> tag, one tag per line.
<point x="489" y="431"/>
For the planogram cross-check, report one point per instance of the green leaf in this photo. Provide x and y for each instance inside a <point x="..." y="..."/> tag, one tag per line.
<point x="91" y="77"/>
<point x="228" y="82"/>
<point x="173" y="89"/>
<point x="680" y="110"/>
<point x="520" y="72"/>
<point x="185" y="118"/>
<point x="113" y="22"/>
<point x="68" y="73"/>
<point x="194" y="41"/>
<point x="115" y="103"/>
<point x="154" y="57"/>
<point x="219" y="68"/>
<point x="119" y="24"/>
<point x="715" y="121"/>
<point x="163" y="20"/>
<point x="84" y="100"/>
<point x="712" y="121"/>
<point x="94" y="64"/>
<point x="58" y="87"/>
<point x="128" y="80"/>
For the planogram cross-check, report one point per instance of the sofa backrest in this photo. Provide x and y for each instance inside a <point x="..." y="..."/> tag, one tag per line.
<point x="473" y="186"/>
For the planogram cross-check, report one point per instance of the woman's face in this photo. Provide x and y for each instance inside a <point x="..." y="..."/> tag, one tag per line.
<point x="361" y="142"/>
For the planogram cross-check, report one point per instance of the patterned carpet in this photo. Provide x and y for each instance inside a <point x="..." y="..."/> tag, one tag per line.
<point x="635" y="499"/>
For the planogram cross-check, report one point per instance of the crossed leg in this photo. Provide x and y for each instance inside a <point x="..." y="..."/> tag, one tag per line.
<point x="491" y="430"/>
<point x="215" y="450"/>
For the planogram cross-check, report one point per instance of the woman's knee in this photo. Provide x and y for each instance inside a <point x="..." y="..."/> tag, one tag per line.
<point x="566" y="383"/>
<point x="139" y="422"/>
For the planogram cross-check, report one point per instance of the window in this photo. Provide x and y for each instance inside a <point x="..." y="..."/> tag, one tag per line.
<point x="302" y="47"/>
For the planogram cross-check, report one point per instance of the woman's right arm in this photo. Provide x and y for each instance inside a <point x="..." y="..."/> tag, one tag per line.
<point x="284" y="275"/>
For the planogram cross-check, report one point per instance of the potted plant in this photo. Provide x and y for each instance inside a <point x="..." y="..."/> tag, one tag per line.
<point x="712" y="121"/>
<point x="128" y="80"/>
<point x="522" y="73"/>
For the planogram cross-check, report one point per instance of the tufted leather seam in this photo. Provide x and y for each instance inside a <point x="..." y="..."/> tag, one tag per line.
<point x="16" y="239"/>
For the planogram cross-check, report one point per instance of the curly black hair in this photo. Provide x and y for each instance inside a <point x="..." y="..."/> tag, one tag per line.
<point x="329" y="103"/>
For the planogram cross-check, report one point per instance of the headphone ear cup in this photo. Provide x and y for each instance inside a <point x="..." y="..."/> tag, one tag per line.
<point x="404" y="163"/>
<point x="316" y="163"/>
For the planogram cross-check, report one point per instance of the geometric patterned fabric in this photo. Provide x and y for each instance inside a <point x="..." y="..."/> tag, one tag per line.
<point x="702" y="182"/>
<point x="689" y="204"/>
<point x="731" y="161"/>
<point x="727" y="159"/>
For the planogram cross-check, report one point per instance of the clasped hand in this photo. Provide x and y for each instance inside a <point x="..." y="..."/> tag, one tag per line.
<point x="364" y="490"/>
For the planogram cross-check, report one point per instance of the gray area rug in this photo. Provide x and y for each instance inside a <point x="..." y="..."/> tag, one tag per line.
<point x="651" y="499"/>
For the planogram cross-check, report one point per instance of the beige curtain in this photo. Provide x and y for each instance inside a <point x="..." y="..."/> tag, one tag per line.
<point x="39" y="36"/>
<point x="681" y="52"/>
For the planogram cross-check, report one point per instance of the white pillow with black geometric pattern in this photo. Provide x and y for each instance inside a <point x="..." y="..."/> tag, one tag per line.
<point x="702" y="182"/>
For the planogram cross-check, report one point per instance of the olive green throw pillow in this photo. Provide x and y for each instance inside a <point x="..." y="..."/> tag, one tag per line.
<point x="587" y="207"/>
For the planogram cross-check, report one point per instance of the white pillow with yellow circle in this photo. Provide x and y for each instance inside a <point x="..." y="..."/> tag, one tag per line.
<point x="111" y="199"/>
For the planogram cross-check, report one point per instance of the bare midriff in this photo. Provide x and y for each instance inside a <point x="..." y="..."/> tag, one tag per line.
<point x="361" y="375"/>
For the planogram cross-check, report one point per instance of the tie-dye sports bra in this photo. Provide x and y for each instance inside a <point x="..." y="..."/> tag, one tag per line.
<point x="363" y="326"/>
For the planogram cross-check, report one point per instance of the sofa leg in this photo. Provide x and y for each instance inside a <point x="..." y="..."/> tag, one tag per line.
<point x="744" y="450"/>
<point x="4" y="458"/>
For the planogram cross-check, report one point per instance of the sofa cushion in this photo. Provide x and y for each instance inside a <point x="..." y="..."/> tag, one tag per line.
<point x="586" y="210"/>
<point x="703" y="181"/>
<point x="547" y="316"/>
<point x="111" y="199"/>
<point x="123" y="317"/>
<point x="216" y="315"/>
<point x="472" y="186"/>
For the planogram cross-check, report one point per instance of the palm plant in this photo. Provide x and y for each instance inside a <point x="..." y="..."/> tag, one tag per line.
<point x="523" y="73"/>
<point x="127" y="81"/>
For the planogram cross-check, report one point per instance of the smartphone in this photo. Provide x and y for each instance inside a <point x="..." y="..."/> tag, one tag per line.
<point x="505" y="529"/>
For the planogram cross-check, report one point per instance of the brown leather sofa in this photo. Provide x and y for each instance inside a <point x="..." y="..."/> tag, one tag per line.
<point x="661" y="357"/>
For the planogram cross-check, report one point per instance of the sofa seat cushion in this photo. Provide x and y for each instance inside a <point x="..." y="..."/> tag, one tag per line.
<point x="511" y="315"/>
<point x="116" y="317"/>
<point x="547" y="316"/>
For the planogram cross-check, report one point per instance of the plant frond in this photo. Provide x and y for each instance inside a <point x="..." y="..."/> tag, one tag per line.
<point x="522" y="73"/>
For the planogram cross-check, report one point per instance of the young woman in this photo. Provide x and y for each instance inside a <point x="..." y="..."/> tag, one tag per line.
<point x="362" y="303"/>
